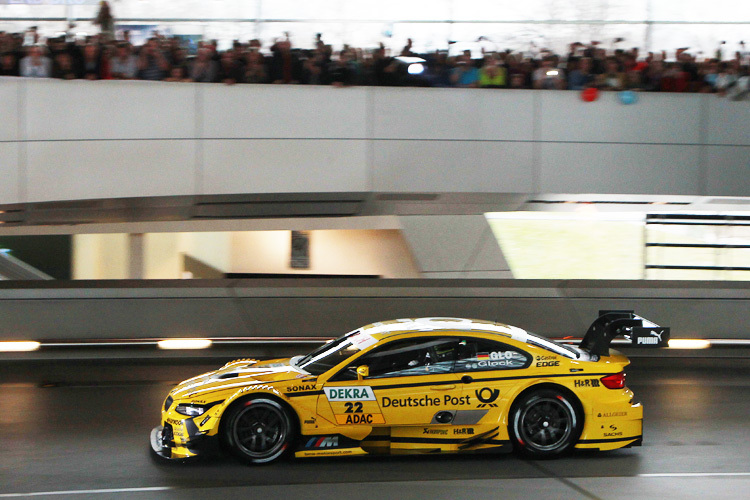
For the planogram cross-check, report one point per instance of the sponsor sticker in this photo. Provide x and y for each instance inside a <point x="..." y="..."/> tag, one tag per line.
<point x="586" y="383"/>
<point x="466" y="431"/>
<point x="487" y="397"/>
<point x="363" y="393"/>
<point x="360" y="418"/>
<point x="362" y="340"/>
<point x="547" y="363"/>
<point x="301" y="388"/>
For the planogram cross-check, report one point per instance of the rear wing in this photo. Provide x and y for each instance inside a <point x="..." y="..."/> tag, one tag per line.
<point x="610" y="324"/>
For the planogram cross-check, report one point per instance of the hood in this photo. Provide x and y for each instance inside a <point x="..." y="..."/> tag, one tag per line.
<point x="237" y="374"/>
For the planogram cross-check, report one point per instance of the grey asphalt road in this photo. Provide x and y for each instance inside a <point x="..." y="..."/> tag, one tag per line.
<point x="80" y="430"/>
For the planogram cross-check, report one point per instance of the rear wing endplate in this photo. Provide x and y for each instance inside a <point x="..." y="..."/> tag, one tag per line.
<point x="610" y="324"/>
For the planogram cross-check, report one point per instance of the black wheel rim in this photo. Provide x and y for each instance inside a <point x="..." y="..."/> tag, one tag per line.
<point x="260" y="430"/>
<point x="546" y="424"/>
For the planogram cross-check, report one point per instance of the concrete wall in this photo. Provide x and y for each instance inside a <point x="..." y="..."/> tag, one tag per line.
<point x="89" y="140"/>
<point x="182" y="308"/>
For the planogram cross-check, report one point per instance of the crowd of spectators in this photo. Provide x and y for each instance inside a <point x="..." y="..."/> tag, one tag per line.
<point x="167" y="59"/>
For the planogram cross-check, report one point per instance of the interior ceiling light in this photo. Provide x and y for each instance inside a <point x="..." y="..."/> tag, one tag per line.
<point x="22" y="346"/>
<point x="689" y="344"/>
<point x="184" y="344"/>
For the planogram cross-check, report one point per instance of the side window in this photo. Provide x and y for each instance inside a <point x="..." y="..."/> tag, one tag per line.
<point x="403" y="358"/>
<point x="481" y="355"/>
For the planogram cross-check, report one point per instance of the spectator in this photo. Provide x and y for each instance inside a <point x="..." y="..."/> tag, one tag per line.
<point x="8" y="64"/>
<point x="105" y="21"/>
<point x="124" y="66"/>
<point x="612" y="78"/>
<point x="204" y="68"/>
<point x="315" y="68"/>
<point x="548" y="76"/>
<point x="164" y="58"/>
<point x="440" y="70"/>
<point x="633" y="80"/>
<point x="152" y="65"/>
<point x="255" y="67"/>
<point x="653" y="76"/>
<point x="35" y="64"/>
<point x="465" y="74"/>
<point x="517" y="81"/>
<point x="285" y="65"/>
<point x="177" y="74"/>
<point x="384" y="68"/>
<point x="491" y="75"/>
<point x="63" y="67"/>
<point x="726" y="78"/>
<point x="709" y="73"/>
<point x="230" y="71"/>
<point x="92" y="62"/>
<point x="580" y="76"/>
<point x="341" y="71"/>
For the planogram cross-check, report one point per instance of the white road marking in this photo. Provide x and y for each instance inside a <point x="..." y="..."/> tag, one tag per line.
<point x="85" y="492"/>
<point x="695" y="474"/>
<point x="168" y="488"/>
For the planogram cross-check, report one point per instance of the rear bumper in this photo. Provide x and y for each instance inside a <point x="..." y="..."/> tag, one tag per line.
<point x="613" y="426"/>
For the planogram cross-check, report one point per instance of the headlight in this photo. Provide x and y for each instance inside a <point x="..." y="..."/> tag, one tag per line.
<point x="190" y="410"/>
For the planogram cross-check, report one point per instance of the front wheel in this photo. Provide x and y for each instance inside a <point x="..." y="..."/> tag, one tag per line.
<point x="258" y="430"/>
<point x="544" y="424"/>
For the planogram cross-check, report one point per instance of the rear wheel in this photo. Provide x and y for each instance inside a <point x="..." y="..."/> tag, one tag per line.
<point x="544" y="424"/>
<point x="258" y="430"/>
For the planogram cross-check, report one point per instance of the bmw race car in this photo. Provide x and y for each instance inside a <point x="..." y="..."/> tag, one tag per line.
<point x="417" y="386"/>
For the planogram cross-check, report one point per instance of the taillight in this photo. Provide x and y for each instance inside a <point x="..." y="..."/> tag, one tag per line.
<point x="614" y="381"/>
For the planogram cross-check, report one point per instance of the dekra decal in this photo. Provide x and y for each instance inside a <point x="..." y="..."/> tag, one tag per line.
<point x="349" y="393"/>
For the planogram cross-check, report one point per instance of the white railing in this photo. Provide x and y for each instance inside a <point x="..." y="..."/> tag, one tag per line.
<point x="86" y="140"/>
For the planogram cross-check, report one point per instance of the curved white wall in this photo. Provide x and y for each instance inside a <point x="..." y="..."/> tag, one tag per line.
<point x="88" y="140"/>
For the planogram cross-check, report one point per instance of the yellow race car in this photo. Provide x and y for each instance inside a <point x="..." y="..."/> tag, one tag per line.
<point x="423" y="385"/>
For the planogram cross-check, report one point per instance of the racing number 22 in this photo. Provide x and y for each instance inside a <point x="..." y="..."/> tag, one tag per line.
<point x="353" y="407"/>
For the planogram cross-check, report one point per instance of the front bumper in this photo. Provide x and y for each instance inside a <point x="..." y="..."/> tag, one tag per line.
<point x="163" y="444"/>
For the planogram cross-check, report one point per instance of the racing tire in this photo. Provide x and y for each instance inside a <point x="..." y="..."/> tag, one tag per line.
<point x="259" y="430"/>
<point x="545" y="423"/>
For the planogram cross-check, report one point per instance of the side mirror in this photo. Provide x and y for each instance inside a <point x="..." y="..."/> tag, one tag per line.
<point x="362" y="372"/>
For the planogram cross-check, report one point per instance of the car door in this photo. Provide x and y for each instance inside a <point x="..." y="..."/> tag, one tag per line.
<point x="489" y="371"/>
<point x="410" y="381"/>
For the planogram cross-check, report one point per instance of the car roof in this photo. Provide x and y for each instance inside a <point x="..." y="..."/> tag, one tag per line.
<point x="384" y="329"/>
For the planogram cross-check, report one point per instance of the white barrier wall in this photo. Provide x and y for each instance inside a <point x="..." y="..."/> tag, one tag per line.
<point x="86" y="140"/>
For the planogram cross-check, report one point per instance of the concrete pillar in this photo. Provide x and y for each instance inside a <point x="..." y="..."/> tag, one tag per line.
<point x="136" y="256"/>
<point x="455" y="246"/>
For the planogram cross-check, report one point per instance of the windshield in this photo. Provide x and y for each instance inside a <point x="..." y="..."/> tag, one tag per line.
<point x="332" y="353"/>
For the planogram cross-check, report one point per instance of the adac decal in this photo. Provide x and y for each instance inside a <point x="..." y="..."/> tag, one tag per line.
<point x="487" y="397"/>
<point x="363" y="393"/>
<point x="592" y="382"/>
<point x="301" y="388"/>
<point x="360" y="418"/>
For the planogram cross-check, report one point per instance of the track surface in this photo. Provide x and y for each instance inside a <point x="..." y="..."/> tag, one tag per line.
<point x="62" y="436"/>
